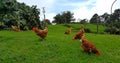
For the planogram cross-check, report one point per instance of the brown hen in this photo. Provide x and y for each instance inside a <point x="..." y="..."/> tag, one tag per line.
<point x="79" y="34"/>
<point x="15" y="28"/>
<point x="68" y="31"/>
<point x="89" y="47"/>
<point x="41" y="33"/>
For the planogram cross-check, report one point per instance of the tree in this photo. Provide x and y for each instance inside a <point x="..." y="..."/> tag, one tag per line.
<point x="67" y="16"/>
<point x="84" y="21"/>
<point x="47" y="21"/>
<point x="106" y="17"/>
<point x="20" y="14"/>
<point x="115" y="17"/>
<point x="113" y="22"/>
<point x="64" y="18"/>
<point x="58" y="19"/>
<point x="94" y="19"/>
<point x="7" y="9"/>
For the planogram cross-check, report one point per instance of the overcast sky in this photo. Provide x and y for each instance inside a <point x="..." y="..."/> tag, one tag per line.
<point x="81" y="8"/>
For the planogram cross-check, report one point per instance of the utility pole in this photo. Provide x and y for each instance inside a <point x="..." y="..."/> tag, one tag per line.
<point x="44" y="17"/>
<point x="44" y="12"/>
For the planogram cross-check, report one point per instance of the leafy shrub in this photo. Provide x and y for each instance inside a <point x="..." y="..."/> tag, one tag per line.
<point x="1" y="27"/>
<point x="112" y="30"/>
<point x="87" y="30"/>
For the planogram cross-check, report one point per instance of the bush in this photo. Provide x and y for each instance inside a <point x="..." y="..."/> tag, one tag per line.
<point x="1" y="27"/>
<point x="87" y="30"/>
<point x="112" y="30"/>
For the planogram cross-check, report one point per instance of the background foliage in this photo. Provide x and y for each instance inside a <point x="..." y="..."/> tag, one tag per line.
<point x="63" y="18"/>
<point x="19" y="14"/>
<point x="112" y="21"/>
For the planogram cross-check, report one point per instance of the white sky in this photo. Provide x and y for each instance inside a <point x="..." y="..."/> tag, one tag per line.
<point x="81" y="8"/>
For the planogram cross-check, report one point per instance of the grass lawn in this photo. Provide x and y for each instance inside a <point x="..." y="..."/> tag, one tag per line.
<point x="26" y="47"/>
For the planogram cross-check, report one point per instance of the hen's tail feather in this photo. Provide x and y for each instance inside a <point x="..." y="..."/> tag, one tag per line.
<point x="96" y="51"/>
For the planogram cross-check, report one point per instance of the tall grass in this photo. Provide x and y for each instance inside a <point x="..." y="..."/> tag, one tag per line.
<point x="26" y="47"/>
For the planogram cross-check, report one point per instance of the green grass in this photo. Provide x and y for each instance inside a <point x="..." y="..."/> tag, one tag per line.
<point x="25" y="47"/>
<point x="92" y="27"/>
